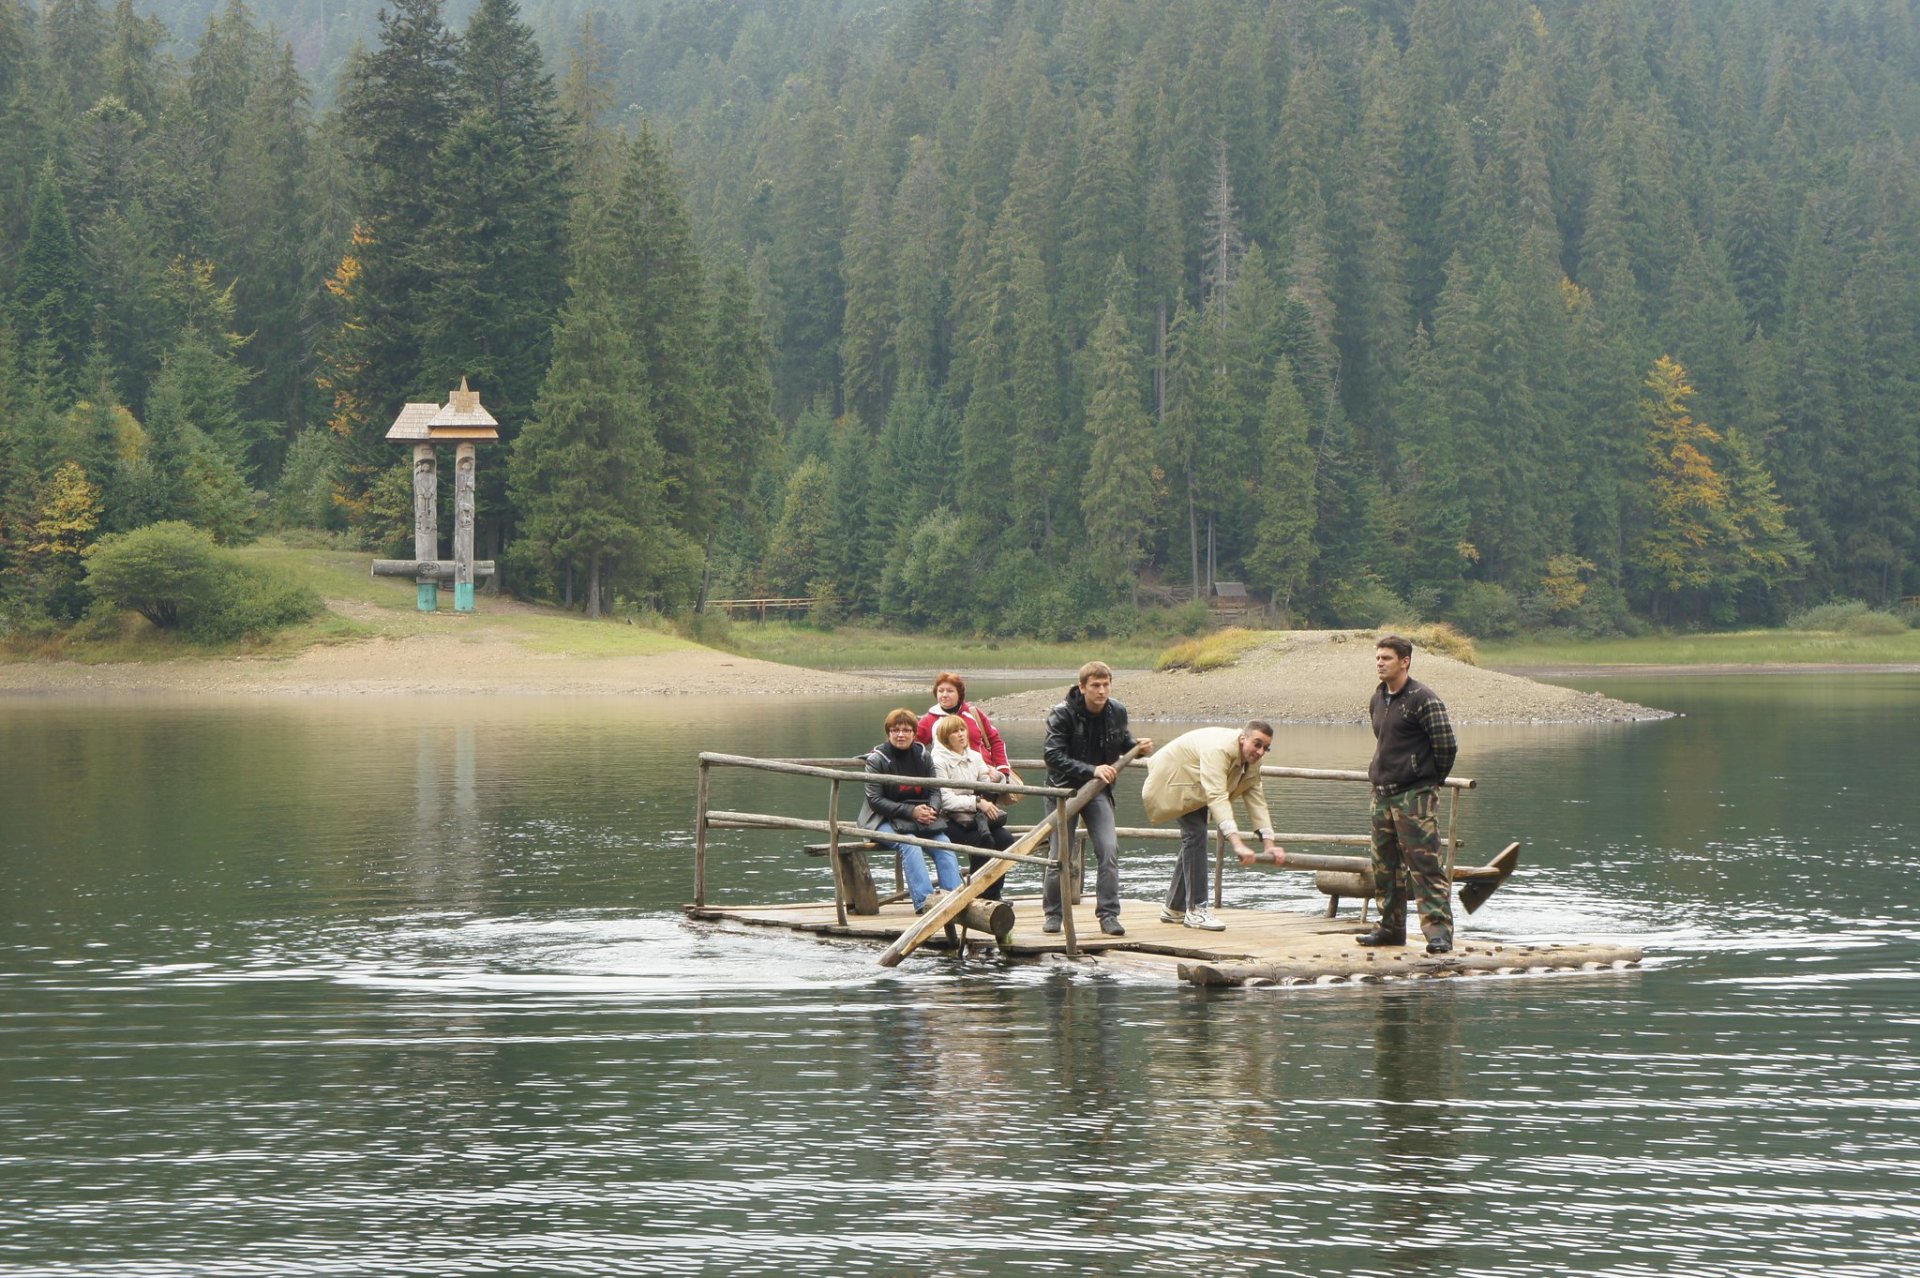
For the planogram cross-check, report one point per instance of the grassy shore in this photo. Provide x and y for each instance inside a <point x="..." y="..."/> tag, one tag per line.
<point x="361" y="607"/>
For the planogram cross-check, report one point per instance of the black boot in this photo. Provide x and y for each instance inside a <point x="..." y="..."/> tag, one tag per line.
<point x="1381" y="936"/>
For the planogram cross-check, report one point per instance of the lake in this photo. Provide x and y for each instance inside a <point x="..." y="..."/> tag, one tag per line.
<point x="335" y="986"/>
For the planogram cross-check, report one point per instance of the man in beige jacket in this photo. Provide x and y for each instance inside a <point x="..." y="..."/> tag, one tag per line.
<point x="1198" y="775"/>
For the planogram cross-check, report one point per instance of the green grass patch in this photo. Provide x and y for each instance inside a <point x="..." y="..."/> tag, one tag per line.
<point x="1216" y="651"/>
<point x="1743" y="648"/>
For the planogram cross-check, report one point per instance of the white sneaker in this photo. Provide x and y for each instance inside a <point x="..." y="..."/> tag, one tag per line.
<point x="1203" y="919"/>
<point x="1170" y="915"/>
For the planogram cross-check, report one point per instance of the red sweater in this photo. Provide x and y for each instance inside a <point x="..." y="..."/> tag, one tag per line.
<point x="981" y="734"/>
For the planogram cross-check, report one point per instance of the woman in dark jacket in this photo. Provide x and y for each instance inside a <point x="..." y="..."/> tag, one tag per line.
<point x="910" y="805"/>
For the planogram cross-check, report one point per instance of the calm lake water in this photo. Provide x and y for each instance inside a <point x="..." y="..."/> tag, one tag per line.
<point x="343" y="987"/>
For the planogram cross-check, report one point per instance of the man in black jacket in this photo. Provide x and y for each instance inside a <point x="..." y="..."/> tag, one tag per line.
<point x="1086" y="734"/>
<point x="1414" y="750"/>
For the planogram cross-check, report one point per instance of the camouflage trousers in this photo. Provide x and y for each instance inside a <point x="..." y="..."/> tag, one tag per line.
<point x="1406" y="844"/>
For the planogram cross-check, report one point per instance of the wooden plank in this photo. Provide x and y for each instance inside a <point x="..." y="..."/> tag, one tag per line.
<point x="949" y="907"/>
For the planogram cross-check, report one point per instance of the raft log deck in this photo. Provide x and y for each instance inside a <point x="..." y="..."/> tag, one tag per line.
<point x="1258" y="947"/>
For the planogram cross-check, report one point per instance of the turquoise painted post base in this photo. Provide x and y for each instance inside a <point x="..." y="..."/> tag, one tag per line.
<point x="463" y="596"/>
<point x="429" y="595"/>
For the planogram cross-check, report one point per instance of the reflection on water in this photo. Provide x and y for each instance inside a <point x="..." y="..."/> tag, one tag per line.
<point x="344" y="988"/>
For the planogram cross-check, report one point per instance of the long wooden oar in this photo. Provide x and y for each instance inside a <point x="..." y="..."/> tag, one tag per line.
<point x="950" y="906"/>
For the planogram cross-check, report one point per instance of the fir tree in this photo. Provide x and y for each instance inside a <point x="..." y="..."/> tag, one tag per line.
<point x="1118" y="495"/>
<point x="586" y="475"/>
<point x="1283" y="550"/>
<point x="49" y="294"/>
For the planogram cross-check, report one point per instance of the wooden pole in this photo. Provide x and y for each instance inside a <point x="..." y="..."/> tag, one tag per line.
<point x="833" y="852"/>
<point x="1068" y="875"/>
<point x="1219" y="869"/>
<point x="700" y="836"/>
<point x="944" y="910"/>
<point x="463" y="506"/>
<point x="426" y="524"/>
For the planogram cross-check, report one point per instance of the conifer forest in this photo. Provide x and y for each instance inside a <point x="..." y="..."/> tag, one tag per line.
<point x="998" y="316"/>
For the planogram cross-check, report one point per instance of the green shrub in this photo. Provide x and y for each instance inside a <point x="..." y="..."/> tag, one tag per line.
<point x="1875" y="623"/>
<point x="172" y="574"/>
<point x="251" y="600"/>
<point x="1484" y="608"/>
<point x="1358" y="605"/>
<point x="1847" y="616"/>
<point x="165" y="572"/>
<point x="1834" y="615"/>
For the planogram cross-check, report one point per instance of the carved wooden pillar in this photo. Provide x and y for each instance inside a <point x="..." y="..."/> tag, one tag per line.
<point x="463" y="459"/>
<point x="426" y="523"/>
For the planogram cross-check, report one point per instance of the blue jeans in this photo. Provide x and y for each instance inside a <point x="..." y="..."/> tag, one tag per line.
<point x="913" y="866"/>
<point x="1097" y="816"/>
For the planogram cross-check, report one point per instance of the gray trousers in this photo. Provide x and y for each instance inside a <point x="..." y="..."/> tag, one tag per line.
<point x="1188" y="891"/>
<point x="1098" y="816"/>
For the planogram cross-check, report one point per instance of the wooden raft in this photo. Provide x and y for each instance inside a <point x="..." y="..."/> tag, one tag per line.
<point x="1259" y="947"/>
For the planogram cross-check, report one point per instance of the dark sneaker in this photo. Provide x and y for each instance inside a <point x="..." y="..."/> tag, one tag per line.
<point x="1050" y="925"/>
<point x="1112" y="927"/>
<point x="1380" y="936"/>
<point x="1440" y="945"/>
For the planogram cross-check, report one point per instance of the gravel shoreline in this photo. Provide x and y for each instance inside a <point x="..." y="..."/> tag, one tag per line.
<point x="1325" y="677"/>
<point x="1303" y="677"/>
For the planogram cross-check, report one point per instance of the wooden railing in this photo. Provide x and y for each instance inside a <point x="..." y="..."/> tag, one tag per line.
<point x="1337" y="876"/>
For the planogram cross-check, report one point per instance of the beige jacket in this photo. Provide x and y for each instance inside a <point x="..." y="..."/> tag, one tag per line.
<point x="1203" y="768"/>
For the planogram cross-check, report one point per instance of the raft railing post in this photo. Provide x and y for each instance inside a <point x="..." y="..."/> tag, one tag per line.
<point x="1062" y="852"/>
<point x="700" y="836"/>
<point x="1219" y="870"/>
<point x="1453" y="828"/>
<point x="833" y="851"/>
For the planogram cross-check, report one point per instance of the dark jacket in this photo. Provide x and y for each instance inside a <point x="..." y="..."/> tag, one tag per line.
<point x="1078" y="740"/>
<point x="1414" y="742"/>
<point x="895" y="801"/>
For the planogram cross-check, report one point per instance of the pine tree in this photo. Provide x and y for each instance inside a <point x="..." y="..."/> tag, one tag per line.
<point x="867" y="367"/>
<point x="264" y="237"/>
<point x="920" y="252"/>
<point x="232" y="56"/>
<point x="660" y="290"/>
<point x="1120" y="497"/>
<point x="806" y="256"/>
<point x="49" y="295"/>
<point x="1283" y="550"/>
<point x="744" y="428"/>
<point x="398" y="104"/>
<point x="495" y="250"/>
<point x="587" y="475"/>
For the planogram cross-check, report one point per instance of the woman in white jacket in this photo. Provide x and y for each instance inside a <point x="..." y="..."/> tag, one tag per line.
<point x="972" y="818"/>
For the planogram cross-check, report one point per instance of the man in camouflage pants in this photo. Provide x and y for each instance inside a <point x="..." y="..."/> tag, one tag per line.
<point x="1414" y="750"/>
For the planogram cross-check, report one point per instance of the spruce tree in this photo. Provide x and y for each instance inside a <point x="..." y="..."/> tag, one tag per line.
<point x="1118" y="497"/>
<point x="49" y="294"/>
<point x="1283" y="549"/>
<point x="398" y="104"/>
<point x="660" y="290"/>
<point x="586" y="474"/>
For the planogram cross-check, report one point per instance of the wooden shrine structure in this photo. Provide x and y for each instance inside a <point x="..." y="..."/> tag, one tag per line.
<point x="1258" y="946"/>
<point x="462" y="422"/>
